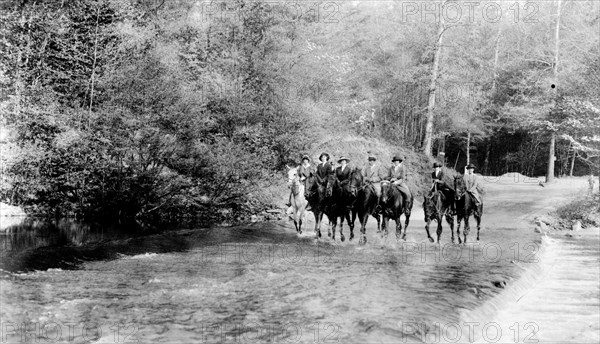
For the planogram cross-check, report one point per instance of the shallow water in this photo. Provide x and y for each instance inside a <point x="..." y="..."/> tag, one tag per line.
<point x="263" y="283"/>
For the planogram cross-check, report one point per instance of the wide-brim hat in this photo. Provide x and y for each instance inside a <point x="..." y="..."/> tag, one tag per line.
<point x="470" y="166"/>
<point x="397" y="158"/>
<point x="305" y="157"/>
<point x="343" y="158"/>
<point x="324" y="154"/>
<point x="436" y="164"/>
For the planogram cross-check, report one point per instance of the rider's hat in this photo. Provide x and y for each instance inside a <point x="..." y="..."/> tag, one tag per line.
<point x="436" y="164"/>
<point x="372" y="157"/>
<point x="397" y="158"/>
<point x="305" y="157"/>
<point x="470" y="166"/>
<point x="324" y="154"/>
<point x="343" y="158"/>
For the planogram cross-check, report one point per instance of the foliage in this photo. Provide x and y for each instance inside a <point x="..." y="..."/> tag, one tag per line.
<point x="586" y="210"/>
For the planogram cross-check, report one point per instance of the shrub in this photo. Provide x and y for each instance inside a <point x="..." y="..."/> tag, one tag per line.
<point x="586" y="210"/>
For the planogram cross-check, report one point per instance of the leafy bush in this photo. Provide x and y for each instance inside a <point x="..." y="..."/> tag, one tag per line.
<point x="586" y="210"/>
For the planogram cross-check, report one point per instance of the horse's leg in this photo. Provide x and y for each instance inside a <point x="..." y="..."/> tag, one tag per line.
<point x="427" y="229"/>
<point x="458" y="220"/>
<point x="378" y="218"/>
<point x="363" y="230"/>
<point x="342" y="238"/>
<point x="467" y="228"/>
<point x="399" y="227"/>
<point x="439" y="228"/>
<point x="300" y="217"/>
<point x="406" y="222"/>
<point x="384" y="226"/>
<point x="478" y="218"/>
<point x="318" y="226"/>
<point x="316" y="213"/>
<point x="350" y="224"/>
<point x="354" y="213"/>
<point x="450" y="221"/>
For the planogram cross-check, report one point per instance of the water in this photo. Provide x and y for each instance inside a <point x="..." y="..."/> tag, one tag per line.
<point x="262" y="283"/>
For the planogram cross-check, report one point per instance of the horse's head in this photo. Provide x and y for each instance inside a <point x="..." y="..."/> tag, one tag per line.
<point x="386" y="185"/>
<point x="356" y="181"/>
<point x="459" y="187"/>
<point x="330" y="182"/>
<point x="292" y="175"/>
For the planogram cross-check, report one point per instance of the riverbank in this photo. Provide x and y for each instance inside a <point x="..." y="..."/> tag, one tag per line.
<point x="557" y="297"/>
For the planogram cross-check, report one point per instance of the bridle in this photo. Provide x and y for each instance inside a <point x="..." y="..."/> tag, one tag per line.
<point x="459" y="193"/>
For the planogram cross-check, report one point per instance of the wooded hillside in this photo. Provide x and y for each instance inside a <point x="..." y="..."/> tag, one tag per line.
<point x="124" y="108"/>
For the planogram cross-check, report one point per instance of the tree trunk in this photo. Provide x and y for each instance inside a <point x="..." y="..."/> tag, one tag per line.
<point x="486" y="162"/>
<point x="94" y="67"/>
<point x="432" y="87"/>
<point x="496" y="54"/>
<point x="468" y="147"/>
<point x="572" y="163"/>
<point x="550" y="172"/>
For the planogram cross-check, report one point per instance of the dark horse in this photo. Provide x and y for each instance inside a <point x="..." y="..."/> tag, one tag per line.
<point x="436" y="206"/>
<point x="338" y="205"/>
<point x="316" y="199"/>
<point x="365" y="204"/>
<point x="393" y="206"/>
<point x="465" y="207"/>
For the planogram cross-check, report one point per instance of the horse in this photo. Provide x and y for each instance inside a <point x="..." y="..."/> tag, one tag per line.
<point x="465" y="207"/>
<point x="299" y="202"/>
<point x="365" y="204"/>
<point x="316" y="201"/>
<point x="339" y="202"/>
<point x="435" y="208"/>
<point x="393" y="206"/>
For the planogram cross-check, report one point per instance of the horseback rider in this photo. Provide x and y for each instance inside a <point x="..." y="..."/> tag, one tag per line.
<point x="472" y="183"/>
<point x="305" y="170"/>
<point x="342" y="174"/>
<point x="374" y="174"/>
<point x="324" y="168"/>
<point x="439" y="184"/>
<point x="397" y="176"/>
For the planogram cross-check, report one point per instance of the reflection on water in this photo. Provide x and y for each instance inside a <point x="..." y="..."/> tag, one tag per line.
<point x="258" y="283"/>
<point x="32" y="233"/>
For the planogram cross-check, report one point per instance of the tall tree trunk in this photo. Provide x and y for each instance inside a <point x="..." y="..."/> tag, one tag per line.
<point x="468" y="147"/>
<point x="550" y="172"/>
<point x="94" y="67"/>
<point x="551" y="157"/>
<point x="572" y="163"/>
<point x="432" y="86"/>
<point x="486" y="162"/>
<point x="496" y="54"/>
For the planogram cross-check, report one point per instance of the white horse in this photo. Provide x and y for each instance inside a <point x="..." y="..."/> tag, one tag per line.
<point x="299" y="202"/>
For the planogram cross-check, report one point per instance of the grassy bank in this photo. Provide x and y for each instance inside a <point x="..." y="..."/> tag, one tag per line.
<point x="585" y="209"/>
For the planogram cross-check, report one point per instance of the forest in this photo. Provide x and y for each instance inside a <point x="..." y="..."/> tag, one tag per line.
<point x="164" y="109"/>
